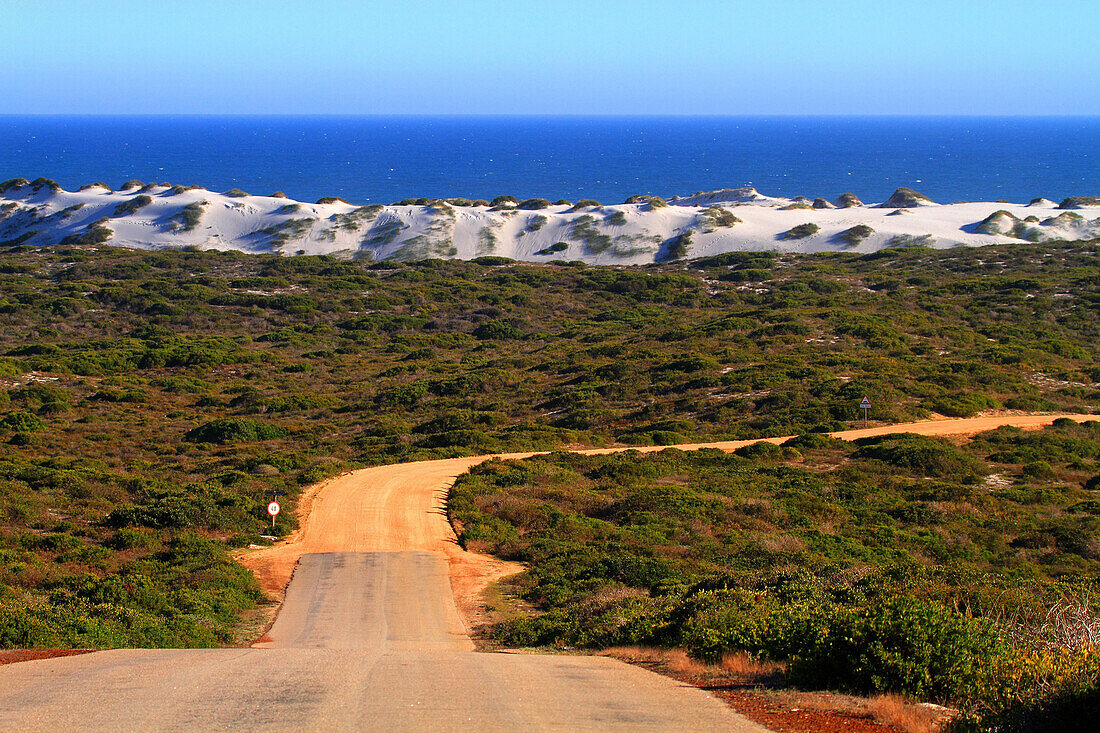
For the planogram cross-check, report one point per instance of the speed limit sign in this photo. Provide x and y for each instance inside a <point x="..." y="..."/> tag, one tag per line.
<point x="273" y="509"/>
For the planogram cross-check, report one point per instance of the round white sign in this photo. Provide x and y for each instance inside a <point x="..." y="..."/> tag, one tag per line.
<point x="273" y="508"/>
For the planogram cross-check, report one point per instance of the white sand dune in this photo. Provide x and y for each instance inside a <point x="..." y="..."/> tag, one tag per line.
<point x="707" y="223"/>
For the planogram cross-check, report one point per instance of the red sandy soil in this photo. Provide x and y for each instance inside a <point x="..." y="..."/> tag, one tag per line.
<point x="11" y="656"/>
<point x="757" y="692"/>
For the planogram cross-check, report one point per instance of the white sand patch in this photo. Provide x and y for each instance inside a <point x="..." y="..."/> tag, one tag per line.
<point x="708" y="223"/>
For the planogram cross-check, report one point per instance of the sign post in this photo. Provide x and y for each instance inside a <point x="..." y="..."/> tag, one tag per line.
<point x="865" y="406"/>
<point x="273" y="510"/>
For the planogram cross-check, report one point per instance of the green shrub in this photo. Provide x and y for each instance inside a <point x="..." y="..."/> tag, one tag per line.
<point x="492" y="261"/>
<point x="677" y="248"/>
<point x="234" y="430"/>
<point x="963" y="405"/>
<point x="13" y="183"/>
<point x="21" y="421"/>
<point x="920" y="454"/>
<point x="553" y="248"/>
<point x="584" y="230"/>
<point x="107" y="394"/>
<point x="133" y="205"/>
<point x="802" y="231"/>
<point x="902" y="241"/>
<point x="903" y="645"/>
<point x="1038" y="470"/>
<point x="497" y="330"/>
<point x="586" y="204"/>
<point x="39" y="183"/>
<point x="854" y="235"/>
<point x="189" y="217"/>
<point x="1075" y="202"/>
<point x="815" y="441"/>
<point x="95" y="234"/>
<point x="716" y="216"/>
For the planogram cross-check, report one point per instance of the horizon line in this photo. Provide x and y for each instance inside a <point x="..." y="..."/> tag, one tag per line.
<point x="567" y="115"/>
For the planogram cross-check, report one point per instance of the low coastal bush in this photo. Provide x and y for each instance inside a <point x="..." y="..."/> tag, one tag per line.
<point x="1076" y="202"/>
<point x="186" y="595"/>
<point x="553" y="248"/>
<point x="801" y="231"/>
<point x="370" y="362"/>
<point x="132" y="206"/>
<point x="717" y="217"/>
<point x="910" y="240"/>
<point x="584" y="229"/>
<point x="533" y="204"/>
<point x="486" y="239"/>
<point x="904" y="198"/>
<point x="21" y="421"/>
<point x="965" y="405"/>
<point x="189" y="217"/>
<point x="624" y="549"/>
<point x="678" y="247"/>
<point x="854" y="235"/>
<point x="921" y="454"/>
<point x="13" y="183"/>
<point x="492" y="261"/>
<point x="234" y="430"/>
<point x="39" y="183"/>
<point x="96" y="233"/>
<point x="290" y="230"/>
<point x="903" y="645"/>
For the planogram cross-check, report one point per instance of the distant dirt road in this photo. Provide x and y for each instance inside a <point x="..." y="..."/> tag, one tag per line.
<point x="401" y="506"/>
<point x="370" y="637"/>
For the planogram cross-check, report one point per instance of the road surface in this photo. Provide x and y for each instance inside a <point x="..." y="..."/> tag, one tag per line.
<point x="363" y="642"/>
<point x="370" y="637"/>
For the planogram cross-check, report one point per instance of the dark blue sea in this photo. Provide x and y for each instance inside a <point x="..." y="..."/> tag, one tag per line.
<point x="384" y="159"/>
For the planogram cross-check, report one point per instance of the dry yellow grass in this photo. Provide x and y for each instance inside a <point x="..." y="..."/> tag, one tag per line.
<point x="745" y="665"/>
<point x="679" y="661"/>
<point x="900" y="713"/>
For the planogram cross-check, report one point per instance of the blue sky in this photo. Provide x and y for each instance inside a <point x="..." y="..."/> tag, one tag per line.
<point x="550" y="57"/>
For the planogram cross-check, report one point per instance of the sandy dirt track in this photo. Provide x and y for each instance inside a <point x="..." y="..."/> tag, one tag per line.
<point x="401" y="507"/>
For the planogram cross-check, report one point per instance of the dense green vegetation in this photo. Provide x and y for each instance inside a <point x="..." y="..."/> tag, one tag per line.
<point x="900" y="563"/>
<point x="150" y="400"/>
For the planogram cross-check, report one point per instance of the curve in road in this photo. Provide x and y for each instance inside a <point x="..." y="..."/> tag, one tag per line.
<point x="369" y="636"/>
<point x="401" y="506"/>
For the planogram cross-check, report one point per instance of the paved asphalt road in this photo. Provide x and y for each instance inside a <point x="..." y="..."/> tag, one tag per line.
<point x="363" y="642"/>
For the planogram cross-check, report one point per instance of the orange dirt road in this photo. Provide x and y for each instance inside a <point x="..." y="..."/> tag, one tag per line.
<point x="400" y="507"/>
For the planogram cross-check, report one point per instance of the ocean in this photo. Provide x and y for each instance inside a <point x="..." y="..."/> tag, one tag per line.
<point x="384" y="159"/>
